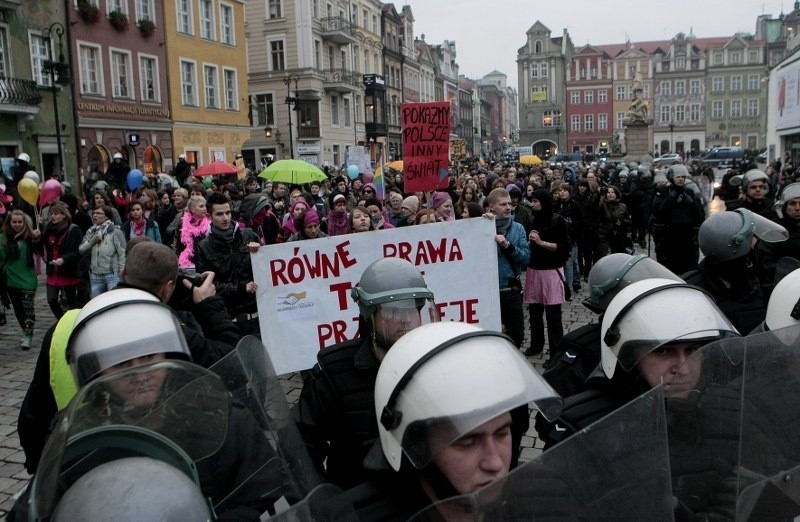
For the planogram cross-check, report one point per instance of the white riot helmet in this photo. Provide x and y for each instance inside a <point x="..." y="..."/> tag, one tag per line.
<point x="678" y="170"/>
<point x="783" y="308"/>
<point x="24" y="157"/>
<point x="133" y="488"/>
<point x="104" y="335"/>
<point x="789" y="192"/>
<point x="442" y="380"/>
<point x="117" y="156"/>
<point x="755" y="175"/>
<point x="654" y="312"/>
<point x="614" y="272"/>
<point x="181" y="156"/>
<point x="728" y="235"/>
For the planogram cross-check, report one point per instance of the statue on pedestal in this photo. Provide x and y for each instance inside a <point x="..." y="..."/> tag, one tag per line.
<point x="638" y="110"/>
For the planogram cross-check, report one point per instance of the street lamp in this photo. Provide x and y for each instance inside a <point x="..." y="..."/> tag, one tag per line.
<point x="291" y="102"/>
<point x="672" y="137"/>
<point x="59" y="74"/>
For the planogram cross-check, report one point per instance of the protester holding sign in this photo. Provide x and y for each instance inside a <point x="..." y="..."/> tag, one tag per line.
<point x="335" y="413"/>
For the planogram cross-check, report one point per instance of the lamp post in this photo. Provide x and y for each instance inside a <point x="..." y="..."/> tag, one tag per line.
<point x="291" y="102"/>
<point x="672" y="137"/>
<point x="558" y="137"/>
<point x="59" y="74"/>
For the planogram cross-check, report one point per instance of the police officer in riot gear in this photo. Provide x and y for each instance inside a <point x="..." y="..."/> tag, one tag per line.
<point x="334" y="413"/>
<point x="117" y="174"/>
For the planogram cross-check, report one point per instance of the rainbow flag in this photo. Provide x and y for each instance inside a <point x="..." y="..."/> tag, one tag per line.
<point x="377" y="179"/>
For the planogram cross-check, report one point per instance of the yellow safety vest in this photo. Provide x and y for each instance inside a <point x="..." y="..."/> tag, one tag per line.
<point x="62" y="382"/>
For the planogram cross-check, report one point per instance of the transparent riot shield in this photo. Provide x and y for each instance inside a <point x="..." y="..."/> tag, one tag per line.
<point x="735" y="440"/>
<point x="325" y="503"/>
<point x="616" y="469"/>
<point x="250" y="377"/>
<point x="172" y="411"/>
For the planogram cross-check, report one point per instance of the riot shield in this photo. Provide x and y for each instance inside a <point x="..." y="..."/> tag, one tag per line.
<point x="250" y="377"/>
<point x="735" y="442"/>
<point x="172" y="411"/>
<point x="324" y="503"/>
<point x="616" y="469"/>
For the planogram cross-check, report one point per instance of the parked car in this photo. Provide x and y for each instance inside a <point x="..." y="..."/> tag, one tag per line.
<point x="665" y="160"/>
<point x="762" y="158"/>
<point x="720" y="157"/>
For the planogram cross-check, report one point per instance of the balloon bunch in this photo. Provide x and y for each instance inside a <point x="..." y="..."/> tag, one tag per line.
<point x="5" y="200"/>
<point x="31" y="193"/>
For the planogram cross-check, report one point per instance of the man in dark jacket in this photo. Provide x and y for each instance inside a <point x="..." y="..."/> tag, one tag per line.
<point x="336" y="413"/>
<point x="209" y="332"/>
<point x="226" y="252"/>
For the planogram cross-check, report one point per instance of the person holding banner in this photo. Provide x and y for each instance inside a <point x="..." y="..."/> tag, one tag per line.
<point x="513" y="254"/>
<point x="335" y="413"/>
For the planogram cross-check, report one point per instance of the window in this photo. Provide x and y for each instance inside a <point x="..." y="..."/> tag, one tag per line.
<point x="718" y="58"/>
<point x="148" y="78"/>
<point x="227" y="31"/>
<point x="645" y="91"/>
<point x="315" y="8"/>
<point x="752" y="56"/>
<point x="752" y="108"/>
<point x="265" y="109"/>
<point x="680" y="88"/>
<point x="736" y="83"/>
<point x="117" y="5"/>
<point x="539" y="93"/>
<point x="207" y="19"/>
<point x="680" y="63"/>
<point x="588" y="97"/>
<point x="736" y="57"/>
<point x="680" y="113"/>
<point x="144" y="10"/>
<point x="716" y="109"/>
<point x="210" y="76"/>
<point x="231" y="90"/>
<point x="665" y="88"/>
<point x="575" y="97"/>
<point x="583" y="72"/>
<point x="276" y="54"/>
<point x="753" y="82"/>
<point x="188" y="82"/>
<point x="602" y="121"/>
<point x="621" y="92"/>
<point x="537" y="47"/>
<point x="334" y="109"/>
<point x="602" y="96"/>
<point x="121" y="74"/>
<point x="183" y="10"/>
<point x="91" y="69"/>
<point x="588" y="122"/>
<point x="39" y="53"/>
<point x="5" y="66"/>
<point x="534" y="71"/>
<point x="717" y="84"/>
<point x="543" y="70"/>
<point x="274" y="9"/>
<point x="665" y="114"/>
<point x="346" y="109"/>
<point x="694" y="112"/>
<point x="694" y="87"/>
<point x="620" y="119"/>
<point x="736" y="108"/>
<point x="575" y="124"/>
<point x="364" y="18"/>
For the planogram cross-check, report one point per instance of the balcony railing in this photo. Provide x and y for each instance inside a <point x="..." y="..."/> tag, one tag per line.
<point x="341" y="80"/>
<point x="19" y="92"/>
<point x="337" y="29"/>
<point x="308" y="131"/>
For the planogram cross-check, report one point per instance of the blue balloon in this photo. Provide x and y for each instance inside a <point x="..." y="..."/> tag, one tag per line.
<point x="135" y="179"/>
<point x="352" y="172"/>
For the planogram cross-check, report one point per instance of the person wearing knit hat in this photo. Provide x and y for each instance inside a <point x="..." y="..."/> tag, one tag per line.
<point x="442" y="205"/>
<point x="409" y="209"/>
<point x="378" y="214"/>
<point x="338" y="217"/>
<point x="307" y="227"/>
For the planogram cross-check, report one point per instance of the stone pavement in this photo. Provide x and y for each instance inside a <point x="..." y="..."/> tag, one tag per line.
<point x="16" y="370"/>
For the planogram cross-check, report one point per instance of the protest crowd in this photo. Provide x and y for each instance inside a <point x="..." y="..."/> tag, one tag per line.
<point x="683" y="386"/>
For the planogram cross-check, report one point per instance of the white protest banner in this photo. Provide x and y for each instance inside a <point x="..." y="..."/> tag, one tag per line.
<point x="304" y="301"/>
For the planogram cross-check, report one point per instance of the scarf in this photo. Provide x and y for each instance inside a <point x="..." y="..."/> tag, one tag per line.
<point x="337" y="222"/>
<point x="56" y="229"/>
<point x="190" y="231"/>
<point x="225" y="235"/>
<point x="138" y="227"/>
<point x="502" y="224"/>
<point x="101" y="229"/>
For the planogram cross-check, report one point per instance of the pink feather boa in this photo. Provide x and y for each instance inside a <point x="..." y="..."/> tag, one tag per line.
<point x="190" y="231"/>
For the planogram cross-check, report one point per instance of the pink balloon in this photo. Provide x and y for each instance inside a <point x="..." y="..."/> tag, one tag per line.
<point x="50" y="191"/>
<point x="369" y="177"/>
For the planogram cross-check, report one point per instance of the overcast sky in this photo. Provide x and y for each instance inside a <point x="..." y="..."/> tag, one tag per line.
<point x="489" y="32"/>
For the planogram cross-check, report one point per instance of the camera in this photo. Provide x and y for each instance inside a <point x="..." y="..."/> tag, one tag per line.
<point x="188" y="274"/>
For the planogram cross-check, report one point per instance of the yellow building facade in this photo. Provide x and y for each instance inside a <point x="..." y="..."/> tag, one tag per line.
<point x="207" y="60"/>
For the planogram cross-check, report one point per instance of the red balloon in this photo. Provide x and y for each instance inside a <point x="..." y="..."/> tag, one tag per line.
<point x="50" y="191"/>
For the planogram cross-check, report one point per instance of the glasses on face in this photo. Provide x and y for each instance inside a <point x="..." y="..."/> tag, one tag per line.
<point x="756" y="187"/>
<point x="368" y="191"/>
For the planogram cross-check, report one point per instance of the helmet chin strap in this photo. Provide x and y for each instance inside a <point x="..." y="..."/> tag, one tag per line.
<point x="441" y="486"/>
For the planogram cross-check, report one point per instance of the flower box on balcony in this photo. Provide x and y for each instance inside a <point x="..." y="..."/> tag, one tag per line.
<point x="147" y="27"/>
<point x="119" y="20"/>
<point x="89" y="13"/>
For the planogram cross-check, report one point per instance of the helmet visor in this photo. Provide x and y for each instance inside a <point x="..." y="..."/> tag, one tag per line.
<point x="767" y="230"/>
<point x="395" y="319"/>
<point x="438" y="406"/>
